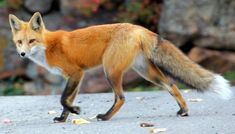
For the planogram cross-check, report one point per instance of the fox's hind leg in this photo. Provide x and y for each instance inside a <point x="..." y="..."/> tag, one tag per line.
<point x="117" y="59"/>
<point x="68" y="97"/>
<point x="115" y="81"/>
<point x="153" y="74"/>
<point x="174" y="91"/>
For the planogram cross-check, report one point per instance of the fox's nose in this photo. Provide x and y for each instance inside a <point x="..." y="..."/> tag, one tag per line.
<point x="22" y="54"/>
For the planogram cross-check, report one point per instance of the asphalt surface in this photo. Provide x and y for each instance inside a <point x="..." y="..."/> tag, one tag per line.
<point x="29" y="114"/>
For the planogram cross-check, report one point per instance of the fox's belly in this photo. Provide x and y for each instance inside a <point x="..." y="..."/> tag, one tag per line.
<point x="87" y="64"/>
<point x="68" y="66"/>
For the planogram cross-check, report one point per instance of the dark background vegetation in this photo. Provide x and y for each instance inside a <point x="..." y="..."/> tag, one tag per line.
<point x="204" y="30"/>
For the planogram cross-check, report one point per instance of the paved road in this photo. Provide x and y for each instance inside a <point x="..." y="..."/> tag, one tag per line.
<point x="29" y="115"/>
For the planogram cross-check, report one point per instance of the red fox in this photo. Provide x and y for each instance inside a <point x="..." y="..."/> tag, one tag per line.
<point x="117" y="47"/>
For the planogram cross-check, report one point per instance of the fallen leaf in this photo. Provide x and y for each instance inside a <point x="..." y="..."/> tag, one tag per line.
<point x="80" y="121"/>
<point x="146" y="125"/>
<point x="195" y="100"/>
<point x="6" y="121"/>
<point x="186" y="91"/>
<point x="52" y="112"/>
<point x="157" y="130"/>
<point x="139" y="98"/>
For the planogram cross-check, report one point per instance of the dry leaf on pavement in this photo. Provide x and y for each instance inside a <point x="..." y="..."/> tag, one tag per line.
<point x="157" y="130"/>
<point x="80" y="121"/>
<point x="52" y="112"/>
<point x="195" y="99"/>
<point x="146" y="125"/>
<point x="186" y="91"/>
<point x="6" y="121"/>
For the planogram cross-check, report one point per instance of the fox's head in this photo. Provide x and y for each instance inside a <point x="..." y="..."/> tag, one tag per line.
<point x="27" y="35"/>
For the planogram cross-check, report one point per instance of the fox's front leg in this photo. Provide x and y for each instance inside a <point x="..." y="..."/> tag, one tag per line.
<point x="68" y="97"/>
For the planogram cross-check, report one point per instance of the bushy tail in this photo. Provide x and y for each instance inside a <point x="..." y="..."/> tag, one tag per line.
<point x="172" y="61"/>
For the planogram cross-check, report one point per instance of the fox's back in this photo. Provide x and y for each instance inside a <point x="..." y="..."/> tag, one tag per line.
<point x="89" y="44"/>
<point x="84" y="48"/>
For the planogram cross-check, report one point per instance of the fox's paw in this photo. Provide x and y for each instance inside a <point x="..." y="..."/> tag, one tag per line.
<point x="75" y="109"/>
<point x="182" y="113"/>
<point x="102" y="117"/>
<point x="59" y="119"/>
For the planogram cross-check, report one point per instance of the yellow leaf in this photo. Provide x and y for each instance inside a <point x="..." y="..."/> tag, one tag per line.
<point x="157" y="130"/>
<point x="80" y="121"/>
<point x="52" y="112"/>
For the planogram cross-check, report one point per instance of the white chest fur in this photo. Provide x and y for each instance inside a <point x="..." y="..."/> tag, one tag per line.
<point x="38" y="56"/>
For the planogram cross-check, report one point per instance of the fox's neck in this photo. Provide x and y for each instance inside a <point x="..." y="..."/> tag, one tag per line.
<point x="52" y="38"/>
<point x="39" y="56"/>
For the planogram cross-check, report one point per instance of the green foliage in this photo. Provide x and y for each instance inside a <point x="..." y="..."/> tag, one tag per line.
<point x="88" y="8"/>
<point x="12" y="90"/>
<point x="145" y="13"/>
<point x="134" y="7"/>
<point x="181" y="86"/>
<point x="3" y="3"/>
<point x="13" y="87"/>
<point x="230" y="75"/>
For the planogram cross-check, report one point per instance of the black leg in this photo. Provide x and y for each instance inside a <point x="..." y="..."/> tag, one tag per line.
<point x="67" y="99"/>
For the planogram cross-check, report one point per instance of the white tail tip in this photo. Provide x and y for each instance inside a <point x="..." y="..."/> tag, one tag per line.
<point x="220" y="86"/>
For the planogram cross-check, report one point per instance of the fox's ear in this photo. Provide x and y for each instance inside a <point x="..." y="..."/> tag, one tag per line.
<point x="36" y="22"/>
<point x="15" y="23"/>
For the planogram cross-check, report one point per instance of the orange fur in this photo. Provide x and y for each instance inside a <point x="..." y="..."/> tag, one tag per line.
<point x="84" y="48"/>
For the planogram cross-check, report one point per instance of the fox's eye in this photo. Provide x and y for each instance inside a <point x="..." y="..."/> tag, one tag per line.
<point x="31" y="41"/>
<point x="19" y="41"/>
